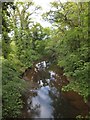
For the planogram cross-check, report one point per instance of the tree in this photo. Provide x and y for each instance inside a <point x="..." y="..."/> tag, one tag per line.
<point x="6" y="28"/>
<point x="71" y="21"/>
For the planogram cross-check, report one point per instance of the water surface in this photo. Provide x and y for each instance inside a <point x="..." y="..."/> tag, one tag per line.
<point x="44" y="98"/>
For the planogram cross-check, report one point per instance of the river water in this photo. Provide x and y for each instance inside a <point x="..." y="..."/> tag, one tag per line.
<point x="44" y="98"/>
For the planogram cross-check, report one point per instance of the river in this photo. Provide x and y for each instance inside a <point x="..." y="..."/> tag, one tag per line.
<point x="44" y="98"/>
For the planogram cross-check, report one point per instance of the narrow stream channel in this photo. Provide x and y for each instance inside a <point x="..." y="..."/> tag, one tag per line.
<point x="44" y="98"/>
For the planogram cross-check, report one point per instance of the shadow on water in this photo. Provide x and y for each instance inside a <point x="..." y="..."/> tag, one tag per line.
<point x="44" y="98"/>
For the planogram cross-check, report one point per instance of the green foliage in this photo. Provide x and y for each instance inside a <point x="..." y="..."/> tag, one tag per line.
<point x="12" y="102"/>
<point x="9" y="72"/>
<point x="12" y="87"/>
<point x="75" y="60"/>
<point x="25" y="46"/>
<point x="66" y="44"/>
<point x="5" y="29"/>
<point x="72" y="49"/>
<point x="28" y="56"/>
<point x="80" y="87"/>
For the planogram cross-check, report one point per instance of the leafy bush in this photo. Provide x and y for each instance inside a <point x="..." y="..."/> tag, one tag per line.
<point x="11" y="100"/>
<point x="74" y="58"/>
<point x="12" y="88"/>
<point x="81" y="87"/>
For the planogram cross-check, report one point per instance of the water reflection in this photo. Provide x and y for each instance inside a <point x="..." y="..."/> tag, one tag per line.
<point x="46" y="99"/>
<point x="41" y="103"/>
<point x="41" y="66"/>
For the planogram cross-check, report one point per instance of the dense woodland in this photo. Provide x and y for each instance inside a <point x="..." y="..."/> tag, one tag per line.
<point x="24" y="42"/>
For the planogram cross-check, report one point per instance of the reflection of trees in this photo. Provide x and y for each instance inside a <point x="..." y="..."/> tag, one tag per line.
<point x="44" y="74"/>
<point x="56" y="105"/>
<point x="36" y="110"/>
<point x="33" y="110"/>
